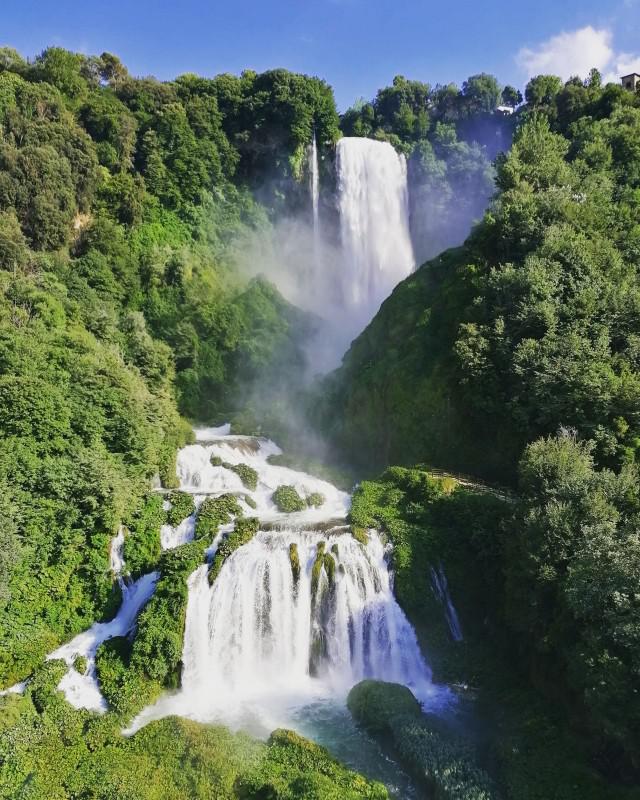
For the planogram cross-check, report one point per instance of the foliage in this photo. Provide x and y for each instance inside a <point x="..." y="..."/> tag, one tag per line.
<point x="288" y="500"/>
<point x="142" y="541"/>
<point x="572" y="567"/>
<point x="156" y="651"/>
<point x="214" y="512"/>
<point x="50" y="750"/>
<point x="182" y="506"/>
<point x="247" y="474"/>
<point x="315" y="499"/>
<point x="446" y="766"/>
<point x="243" y="532"/>
<point x="295" y="767"/>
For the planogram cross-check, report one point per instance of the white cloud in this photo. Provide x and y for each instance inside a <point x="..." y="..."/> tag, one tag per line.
<point x="623" y="64"/>
<point x="570" y="53"/>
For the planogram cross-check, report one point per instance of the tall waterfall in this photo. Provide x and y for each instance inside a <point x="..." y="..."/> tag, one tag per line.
<point x="314" y="180"/>
<point x="265" y="639"/>
<point x="373" y="204"/>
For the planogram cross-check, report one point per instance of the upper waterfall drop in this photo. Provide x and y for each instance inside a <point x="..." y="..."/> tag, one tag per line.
<point x="314" y="185"/>
<point x="373" y="204"/>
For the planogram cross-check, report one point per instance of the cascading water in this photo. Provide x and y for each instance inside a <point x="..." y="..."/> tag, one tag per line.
<point x="314" y="180"/>
<point x="269" y="645"/>
<point x="441" y="591"/>
<point x="264" y="640"/>
<point x="373" y="203"/>
<point x="342" y="267"/>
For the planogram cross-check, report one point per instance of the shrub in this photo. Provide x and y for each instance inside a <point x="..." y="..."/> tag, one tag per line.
<point x="80" y="664"/>
<point x="247" y="475"/>
<point x="294" y="767"/>
<point x="288" y="500"/>
<point x="182" y="506"/>
<point x="316" y="499"/>
<point x="214" y="512"/>
<point x="142" y="542"/>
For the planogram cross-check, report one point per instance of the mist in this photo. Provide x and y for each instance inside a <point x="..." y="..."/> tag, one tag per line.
<point x="340" y="257"/>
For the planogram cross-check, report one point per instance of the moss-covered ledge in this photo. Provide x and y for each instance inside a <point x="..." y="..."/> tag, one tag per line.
<point x="444" y="766"/>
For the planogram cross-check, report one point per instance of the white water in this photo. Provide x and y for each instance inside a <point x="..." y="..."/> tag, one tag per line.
<point x="314" y="173"/>
<point x="115" y="556"/>
<point x="373" y="202"/>
<point x="441" y="591"/>
<point x="82" y="690"/>
<point x="260" y="651"/>
<point x="251" y="655"/>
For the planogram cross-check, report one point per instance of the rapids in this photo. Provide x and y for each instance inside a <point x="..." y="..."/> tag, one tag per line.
<point x="259" y="644"/>
<point x="267" y="646"/>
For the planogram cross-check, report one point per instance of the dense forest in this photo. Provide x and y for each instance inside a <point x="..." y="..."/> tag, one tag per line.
<point x="513" y="357"/>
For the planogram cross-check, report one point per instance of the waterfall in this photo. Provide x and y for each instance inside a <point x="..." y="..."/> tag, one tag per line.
<point x="258" y="631"/>
<point x="373" y="203"/>
<point x="81" y="689"/>
<point x="341" y="266"/>
<point x="116" y="561"/>
<point x="441" y="591"/>
<point x="314" y="179"/>
<point x="265" y="639"/>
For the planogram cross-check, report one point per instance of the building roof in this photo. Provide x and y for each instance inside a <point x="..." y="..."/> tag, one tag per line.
<point x="631" y="75"/>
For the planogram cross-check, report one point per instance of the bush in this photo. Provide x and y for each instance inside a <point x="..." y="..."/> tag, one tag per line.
<point x="288" y="500"/>
<point x="247" y="474"/>
<point x="80" y="664"/>
<point x="316" y="499"/>
<point x="214" y="512"/>
<point x="294" y="767"/>
<point x="142" y="542"/>
<point x="182" y="506"/>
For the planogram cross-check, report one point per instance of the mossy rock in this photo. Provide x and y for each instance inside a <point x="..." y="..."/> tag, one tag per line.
<point x="294" y="558"/>
<point x="326" y="561"/>
<point x="247" y="475"/>
<point x="243" y="533"/>
<point x="249" y="501"/>
<point x="444" y="764"/>
<point x="360" y="535"/>
<point x="373" y="704"/>
<point x="316" y="500"/>
<point x="182" y="506"/>
<point x="214" y="512"/>
<point x="288" y="500"/>
<point x="216" y="461"/>
<point x="330" y="568"/>
<point x="80" y="664"/>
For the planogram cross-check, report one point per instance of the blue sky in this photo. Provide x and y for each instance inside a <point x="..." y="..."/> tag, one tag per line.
<point x="356" y="45"/>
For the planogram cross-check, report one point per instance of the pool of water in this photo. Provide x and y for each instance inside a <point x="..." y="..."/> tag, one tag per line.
<point x="331" y="725"/>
